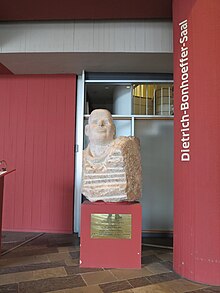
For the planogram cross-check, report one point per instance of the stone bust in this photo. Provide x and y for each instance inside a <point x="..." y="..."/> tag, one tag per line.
<point x="111" y="166"/>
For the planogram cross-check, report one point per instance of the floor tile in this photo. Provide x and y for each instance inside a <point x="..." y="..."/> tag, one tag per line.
<point x="71" y="262"/>
<point x="32" y="275"/>
<point x="49" y="273"/>
<point x="31" y="267"/>
<point x="163" y="277"/>
<point x="68" y="249"/>
<point x="85" y="289"/>
<point x="98" y="277"/>
<point x="152" y="289"/>
<point x="166" y="256"/>
<point x="7" y="262"/>
<point x="122" y="274"/>
<point x="215" y="289"/>
<point x="125" y="291"/>
<point x="167" y="264"/>
<point x="157" y="268"/>
<point x="181" y="285"/>
<point x="10" y="240"/>
<point x="74" y="270"/>
<point x="50" y="263"/>
<point x="139" y="282"/>
<point x="115" y="286"/>
<point x="149" y="259"/>
<point x="51" y="284"/>
<point x="10" y="288"/>
<point x="147" y="252"/>
<point x="32" y="251"/>
<point x="58" y="256"/>
<point x="75" y="254"/>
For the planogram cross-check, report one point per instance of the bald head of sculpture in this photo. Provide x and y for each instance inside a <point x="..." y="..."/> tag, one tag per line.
<point x="100" y="128"/>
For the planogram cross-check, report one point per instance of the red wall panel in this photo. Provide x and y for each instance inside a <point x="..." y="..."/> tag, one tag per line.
<point x="196" y="181"/>
<point x="37" y="138"/>
<point x="87" y="9"/>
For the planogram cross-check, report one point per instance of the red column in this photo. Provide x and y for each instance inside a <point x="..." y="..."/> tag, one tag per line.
<point x="196" y="26"/>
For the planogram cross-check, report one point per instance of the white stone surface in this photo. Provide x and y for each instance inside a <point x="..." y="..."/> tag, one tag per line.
<point x="111" y="167"/>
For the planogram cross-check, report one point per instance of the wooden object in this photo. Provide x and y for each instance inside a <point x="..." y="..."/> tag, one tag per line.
<point x="2" y="177"/>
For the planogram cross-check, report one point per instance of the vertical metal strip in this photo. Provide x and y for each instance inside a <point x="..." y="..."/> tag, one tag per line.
<point x="146" y="103"/>
<point x="154" y="101"/>
<point x="169" y="100"/>
<point x="132" y="99"/>
<point x="132" y="126"/>
<point x="78" y="155"/>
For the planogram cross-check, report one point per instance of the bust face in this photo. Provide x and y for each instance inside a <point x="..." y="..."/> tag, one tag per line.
<point x="100" y="129"/>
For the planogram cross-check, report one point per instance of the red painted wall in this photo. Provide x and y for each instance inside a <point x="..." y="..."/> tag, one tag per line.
<point x="37" y="137"/>
<point x="196" y="181"/>
<point x="87" y="9"/>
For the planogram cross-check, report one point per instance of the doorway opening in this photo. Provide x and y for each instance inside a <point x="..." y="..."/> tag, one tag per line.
<point x="142" y="108"/>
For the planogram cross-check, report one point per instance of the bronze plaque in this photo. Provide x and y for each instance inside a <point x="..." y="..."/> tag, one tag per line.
<point x="111" y="226"/>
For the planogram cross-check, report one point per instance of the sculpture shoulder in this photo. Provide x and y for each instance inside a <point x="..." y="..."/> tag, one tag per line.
<point x="86" y="150"/>
<point x="119" y="147"/>
<point x="124" y="142"/>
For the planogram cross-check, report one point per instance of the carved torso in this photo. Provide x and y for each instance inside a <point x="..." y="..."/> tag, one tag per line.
<point x="116" y="174"/>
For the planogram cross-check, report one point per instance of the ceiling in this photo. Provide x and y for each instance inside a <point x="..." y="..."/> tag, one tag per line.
<point x="52" y="63"/>
<point x="23" y="10"/>
<point x="60" y="63"/>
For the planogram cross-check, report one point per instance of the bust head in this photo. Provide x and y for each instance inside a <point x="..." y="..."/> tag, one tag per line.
<point x="100" y="128"/>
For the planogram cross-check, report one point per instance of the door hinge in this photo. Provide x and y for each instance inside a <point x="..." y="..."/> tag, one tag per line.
<point x="76" y="148"/>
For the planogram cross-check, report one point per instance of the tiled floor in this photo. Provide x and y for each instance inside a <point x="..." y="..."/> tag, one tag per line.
<point x="50" y="263"/>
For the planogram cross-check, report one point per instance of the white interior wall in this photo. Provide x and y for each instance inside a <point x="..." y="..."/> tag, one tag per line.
<point x="96" y="46"/>
<point x="122" y="100"/>
<point x="86" y="36"/>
